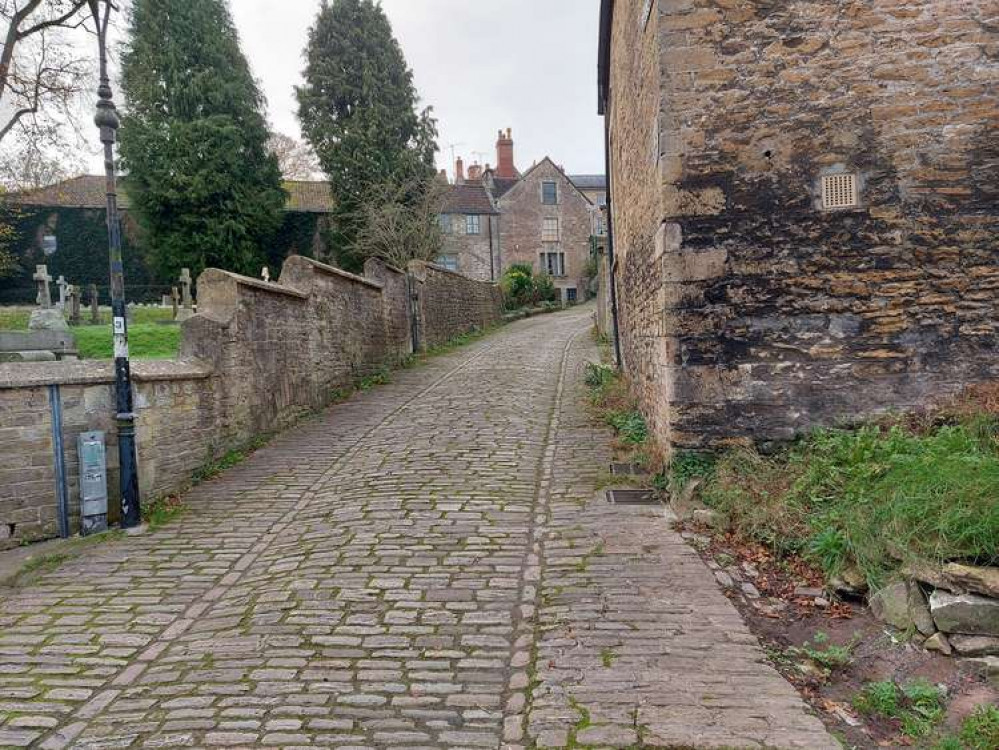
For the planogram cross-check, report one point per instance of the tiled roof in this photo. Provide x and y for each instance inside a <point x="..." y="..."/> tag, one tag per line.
<point x="470" y="198"/>
<point x="503" y="186"/>
<point x="589" y="181"/>
<point x="88" y="191"/>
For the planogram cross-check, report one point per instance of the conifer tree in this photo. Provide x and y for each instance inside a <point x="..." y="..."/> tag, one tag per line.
<point x="358" y="110"/>
<point x="201" y="180"/>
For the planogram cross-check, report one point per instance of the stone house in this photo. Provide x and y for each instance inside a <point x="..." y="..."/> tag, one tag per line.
<point x="539" y="217"/>
<point x="804" y="209"/>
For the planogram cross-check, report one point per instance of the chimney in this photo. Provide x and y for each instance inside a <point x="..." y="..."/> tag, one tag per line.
<point x="475" y="172"/>
<point x="459" y="171"/>
<point x="505" y="168"/>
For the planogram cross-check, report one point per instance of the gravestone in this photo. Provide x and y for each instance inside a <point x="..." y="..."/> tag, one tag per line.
<point x="266" y="274"/>
<point x="175" y="301"/>
<point x="63" y="291"/>
<point x="95" y="305"/>
<point x="45" y="318"/>
<point x="185" y="285"/>
<point x="74" y="305"/>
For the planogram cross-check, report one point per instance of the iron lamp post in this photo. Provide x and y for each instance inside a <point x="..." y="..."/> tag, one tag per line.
<point x="108" y="122"/>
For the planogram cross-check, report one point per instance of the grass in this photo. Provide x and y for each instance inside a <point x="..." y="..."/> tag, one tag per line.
<point x="162" y="511"/>
<point x="614" y="405"/>
<point x="918" y="707"/>
<point x="148" y="338"/>
<point x="877" y="497"/>
<point x="145" y="341"/>
<point x="980" y="731"/>
<point x="825" y="655"/>
<point x="40" y="565"/>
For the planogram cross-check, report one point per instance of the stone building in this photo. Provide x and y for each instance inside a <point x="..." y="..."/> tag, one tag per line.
<point x="496" y="217"/>
<point x="804" y="208"/>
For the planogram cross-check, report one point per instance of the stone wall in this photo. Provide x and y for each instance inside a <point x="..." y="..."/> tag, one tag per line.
<point x="747" y="311"/>
<point x="451" y="304"/>
<point x="523" y="215"/>
<point x="256" y="358"/>
<point x="478" y="254"/>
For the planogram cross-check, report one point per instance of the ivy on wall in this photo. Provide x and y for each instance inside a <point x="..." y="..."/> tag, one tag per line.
<point x="82" y="254"/>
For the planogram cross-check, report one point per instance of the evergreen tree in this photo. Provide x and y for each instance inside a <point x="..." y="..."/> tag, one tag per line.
<point x="204" y="186"/>
<point x="358" y="110"/>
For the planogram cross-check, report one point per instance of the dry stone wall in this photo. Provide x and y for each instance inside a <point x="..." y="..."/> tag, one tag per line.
<point x="748" y="311"/>
<point x="256" y="358"/>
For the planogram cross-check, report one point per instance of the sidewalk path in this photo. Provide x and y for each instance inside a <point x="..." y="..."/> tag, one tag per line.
<point x="426" y="566"/>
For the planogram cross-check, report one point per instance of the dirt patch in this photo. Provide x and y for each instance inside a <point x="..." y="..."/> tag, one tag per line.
<point x="828" y="648"/>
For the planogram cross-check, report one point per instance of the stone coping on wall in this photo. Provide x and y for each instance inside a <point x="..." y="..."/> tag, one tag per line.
<point x="39" y="374"/>
<point x="268" y="286"/>
<point x="333" y="271"/>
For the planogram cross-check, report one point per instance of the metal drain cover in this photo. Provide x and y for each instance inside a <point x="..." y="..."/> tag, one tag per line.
<point x="628" y="470"/>
<point x="632" y="497"/>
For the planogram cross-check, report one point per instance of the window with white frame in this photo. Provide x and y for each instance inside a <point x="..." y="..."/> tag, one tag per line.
<point x="445" y="220"/>
<point x="549" y="231"/>
<point x="473" y="224"/>
<point x="549" y="193"/>
<point x="450" y="262"/>
<point x="552" y="262"/>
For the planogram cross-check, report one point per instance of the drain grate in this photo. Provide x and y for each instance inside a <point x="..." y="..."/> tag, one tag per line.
<point x="632" y="497"/>
<point x="628" y="470"/>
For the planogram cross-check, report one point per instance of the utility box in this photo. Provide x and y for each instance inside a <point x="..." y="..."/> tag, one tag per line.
<point x="93" y="483"/>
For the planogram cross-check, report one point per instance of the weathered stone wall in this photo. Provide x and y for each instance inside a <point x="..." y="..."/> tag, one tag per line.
<point x="747" y="311"/>
<point x="256" y="358"/>
<point x="523" y="215"/>
<point x="451" y="304"/>
<point x="176" y="411"/>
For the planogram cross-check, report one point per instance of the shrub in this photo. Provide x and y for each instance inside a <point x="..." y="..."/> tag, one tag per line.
<point x="523" y="288"/>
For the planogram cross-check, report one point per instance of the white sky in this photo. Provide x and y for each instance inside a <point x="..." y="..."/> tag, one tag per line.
<point x="483" y="65"/>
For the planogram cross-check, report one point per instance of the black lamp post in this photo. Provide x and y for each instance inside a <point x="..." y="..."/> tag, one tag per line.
<point x="108" y="122"/>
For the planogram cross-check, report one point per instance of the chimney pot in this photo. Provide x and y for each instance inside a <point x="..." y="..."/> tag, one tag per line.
<point x="459" y="171"/>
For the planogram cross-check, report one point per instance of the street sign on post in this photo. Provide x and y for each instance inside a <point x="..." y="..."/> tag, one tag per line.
<point x="93" y="483"/>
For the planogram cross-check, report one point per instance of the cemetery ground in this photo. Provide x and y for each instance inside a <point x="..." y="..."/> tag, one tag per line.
<point x="431" y="563"/>
<point x="152" y="334"/>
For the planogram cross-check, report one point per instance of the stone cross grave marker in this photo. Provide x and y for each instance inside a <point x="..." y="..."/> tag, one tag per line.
<point x="265" y="274"/>
<point x="41" y="276"/>
<point x="175" y="301"/>
<point x="74" y="304"/>
<point x="95" y="305"/>
<point x="185" y="285"/>
<point x="63" y="291"/>
<point x="185" y="292"/>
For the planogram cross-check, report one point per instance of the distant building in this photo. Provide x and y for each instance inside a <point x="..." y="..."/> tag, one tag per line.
<point x="496" y="217"/>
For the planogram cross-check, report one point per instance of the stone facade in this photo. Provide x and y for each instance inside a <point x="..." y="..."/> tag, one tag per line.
<point x="747" y="309"/>
<point x="257" y="357"/>
<point x="523" y="229"/>
<point x="471" y="225"/>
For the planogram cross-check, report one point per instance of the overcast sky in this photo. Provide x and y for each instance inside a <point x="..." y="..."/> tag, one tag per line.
<point x="529" y="65"/>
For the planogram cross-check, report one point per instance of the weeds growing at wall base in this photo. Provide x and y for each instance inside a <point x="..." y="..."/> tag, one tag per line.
<point x="874" y="497"/>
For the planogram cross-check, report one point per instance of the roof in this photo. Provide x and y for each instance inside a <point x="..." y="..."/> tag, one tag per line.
<point x="503" y="186"/>
<point x="469" y="198"/>
<point x="589" y="181"/>
<point x="88" y="191"/>
<point x="557" y="168"/>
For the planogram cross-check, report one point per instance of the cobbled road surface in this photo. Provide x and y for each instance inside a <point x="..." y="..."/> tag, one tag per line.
<point x="429" y="565"/>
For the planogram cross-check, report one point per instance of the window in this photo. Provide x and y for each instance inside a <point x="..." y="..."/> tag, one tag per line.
<point x="446" y="224"/>
<point x="450" y="262"/>
<point x="549" y="231"/>
<point x="473" y="225"/>
<point x="601" y="227"/>
<point x="553" y="263"/>
<point x="570" y="296"/>
<point x="549" y="193"/>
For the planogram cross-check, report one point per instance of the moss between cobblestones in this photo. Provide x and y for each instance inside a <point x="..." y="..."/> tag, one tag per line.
<point x="37" y="566"/>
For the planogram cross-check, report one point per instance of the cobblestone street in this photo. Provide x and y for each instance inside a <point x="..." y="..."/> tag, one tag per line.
<point x="429" y="565"/>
